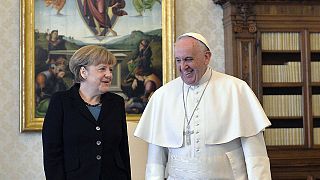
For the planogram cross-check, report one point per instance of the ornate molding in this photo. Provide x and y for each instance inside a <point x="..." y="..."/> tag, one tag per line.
<point x="244" y="18"/>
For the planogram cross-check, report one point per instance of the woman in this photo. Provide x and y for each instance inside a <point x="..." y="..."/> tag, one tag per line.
<point x="84" y="132"/>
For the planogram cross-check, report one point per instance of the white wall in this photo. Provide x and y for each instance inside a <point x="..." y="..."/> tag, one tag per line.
<point x="21" y="154"/>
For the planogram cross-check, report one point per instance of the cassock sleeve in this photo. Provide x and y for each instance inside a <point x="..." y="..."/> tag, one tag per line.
<point x="257" y="161"/>
<point x="156" y="164"/>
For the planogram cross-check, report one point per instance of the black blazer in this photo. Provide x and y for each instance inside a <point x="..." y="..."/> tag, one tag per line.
<point x="77" y="147"/>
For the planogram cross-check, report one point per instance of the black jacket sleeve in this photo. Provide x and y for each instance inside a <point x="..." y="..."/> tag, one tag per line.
<point x="124" y="146"/>
<point x="53" y="141"/>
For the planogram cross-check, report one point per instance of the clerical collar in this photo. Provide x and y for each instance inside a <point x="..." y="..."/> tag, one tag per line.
<point x="204" y="78"/>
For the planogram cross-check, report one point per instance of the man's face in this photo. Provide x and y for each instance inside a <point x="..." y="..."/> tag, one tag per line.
<point x="191" y="60"/>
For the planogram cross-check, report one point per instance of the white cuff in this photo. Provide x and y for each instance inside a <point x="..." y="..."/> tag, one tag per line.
<point x="258" y="168"/>
<point x="155" y="172"/>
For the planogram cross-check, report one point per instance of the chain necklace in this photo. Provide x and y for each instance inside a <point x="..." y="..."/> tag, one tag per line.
<point x="92" y="105"/>
<point x="188" y="132"/>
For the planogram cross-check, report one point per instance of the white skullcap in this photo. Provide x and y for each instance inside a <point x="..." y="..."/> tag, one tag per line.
<point x="196" y="36"/>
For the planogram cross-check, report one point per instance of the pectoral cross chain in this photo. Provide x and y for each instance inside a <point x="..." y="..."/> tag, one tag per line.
<point x="188" y="133"/>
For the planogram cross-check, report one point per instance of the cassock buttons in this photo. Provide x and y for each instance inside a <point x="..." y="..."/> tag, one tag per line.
<point x="98" y="157"/>
<point x="98" y="128"/>
<point x="98" y="143"/>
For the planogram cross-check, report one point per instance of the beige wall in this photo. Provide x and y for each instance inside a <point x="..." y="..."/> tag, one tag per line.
<point x="21" y="154"/>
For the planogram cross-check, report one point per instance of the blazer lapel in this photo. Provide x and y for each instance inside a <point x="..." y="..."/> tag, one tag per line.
<point x="107" y="107"/>
<point x="78" y="103"/>
<point x="85" y="112"/>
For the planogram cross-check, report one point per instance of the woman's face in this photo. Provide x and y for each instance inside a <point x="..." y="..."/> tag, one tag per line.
<point x="98" y="77"/>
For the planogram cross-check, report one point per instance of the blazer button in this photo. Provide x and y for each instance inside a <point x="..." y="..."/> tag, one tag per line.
<point x="98" y="157"/>
<point x="98" y="128"/>
<point x="98" y="143"/>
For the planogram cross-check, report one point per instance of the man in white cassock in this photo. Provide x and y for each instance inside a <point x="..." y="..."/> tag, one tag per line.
<point x="204" y="124"/>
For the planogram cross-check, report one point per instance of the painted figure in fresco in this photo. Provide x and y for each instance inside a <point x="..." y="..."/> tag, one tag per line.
<point x="57" y="4"/>
<point x="141" y="81"/>
<point x="96" y="12"/>
<point x="142" y="58"/>
<point x="142" y="87"/>
<point x="142" y="5"/>
<point x="55" y="42"/>
<point x="51" y="79"/>
<point x="47" y="83"/>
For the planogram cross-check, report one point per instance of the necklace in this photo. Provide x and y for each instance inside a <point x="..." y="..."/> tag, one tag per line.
<point x="92" y="105"/>
<point x="87" y="104"/>
<point x="188" y="132"/>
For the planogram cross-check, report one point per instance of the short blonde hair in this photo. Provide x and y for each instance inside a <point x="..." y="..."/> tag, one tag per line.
<point x="89" y="55"/>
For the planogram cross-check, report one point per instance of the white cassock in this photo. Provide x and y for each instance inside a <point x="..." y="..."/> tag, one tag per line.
<point x="227" y="125"/>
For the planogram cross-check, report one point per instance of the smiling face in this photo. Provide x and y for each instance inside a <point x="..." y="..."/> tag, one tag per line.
<point x="97" y="77"/>
<point x="192" y="59"/>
